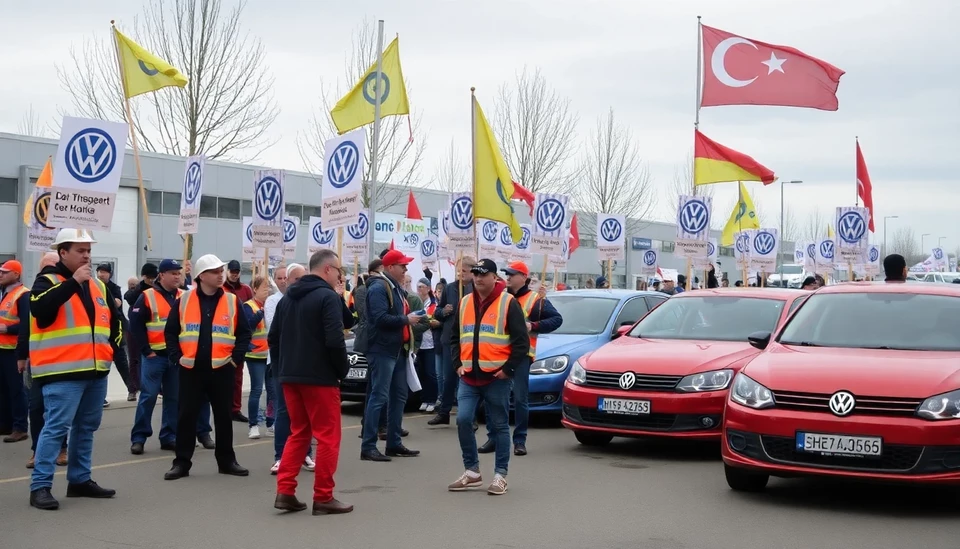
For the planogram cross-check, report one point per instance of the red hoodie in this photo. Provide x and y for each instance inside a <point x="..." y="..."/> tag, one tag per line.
<point x="241" y="290"/>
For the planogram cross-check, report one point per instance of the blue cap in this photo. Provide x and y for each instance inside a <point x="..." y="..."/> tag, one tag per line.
<point x="169" y="265"/>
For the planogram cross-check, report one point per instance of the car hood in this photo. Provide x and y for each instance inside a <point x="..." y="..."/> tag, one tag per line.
<point x="573" y="345"/>
<point x="906" y="374"/>
<point x="669" y="356"/>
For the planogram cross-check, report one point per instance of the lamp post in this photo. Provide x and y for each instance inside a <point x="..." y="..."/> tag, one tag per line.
<point x="885" y="218"/>
<point x="923" y="245"/>
<point x="783" y="284"/>
<point x="939" y="240"/>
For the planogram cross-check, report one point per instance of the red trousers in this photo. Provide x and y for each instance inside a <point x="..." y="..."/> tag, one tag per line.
<point x="314" y="414"/>
<point x="238" y="390"/>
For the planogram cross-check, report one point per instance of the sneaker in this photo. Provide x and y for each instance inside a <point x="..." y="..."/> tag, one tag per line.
<point x="254" y="432"/>
<point x="271" y="431"/>
<point x="309" y="464"/>
<point x="499" y="485"/>
<point x="423" y="407"/>
<point x="276" y="468"/>
<point x="469" y="479"/>
<point x="131" y="397"/>
<point x="106" y="404"/>
<point x="430" y="408"/>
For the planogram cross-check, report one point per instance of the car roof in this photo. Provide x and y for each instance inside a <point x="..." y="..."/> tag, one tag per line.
<point x="929" y="288"/>
<point x="784" y="294"/>
<point x="617" y="294"/>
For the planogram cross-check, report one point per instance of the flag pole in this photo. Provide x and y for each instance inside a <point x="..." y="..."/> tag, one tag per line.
<point x="133" y="137"/>
<point x="696" y="126"/>
<point x="375" y="149"/>
<point x="186" y="246"/>
<point x="856" y="140"/>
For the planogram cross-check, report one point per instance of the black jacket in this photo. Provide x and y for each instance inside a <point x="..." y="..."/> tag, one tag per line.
<point x="516" y="329"/>
<point x="306" y="335"/>
<point x="140" y="313"/>
<point x="131" y="296"/>
<point x="46" y="300"/>
<point x="208" y="304"/>
<point x="451" y="296"/>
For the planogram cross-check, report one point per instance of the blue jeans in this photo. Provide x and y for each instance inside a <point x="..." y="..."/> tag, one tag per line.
<point x="156" y="374"/>
<point x="388" y="378"/>
<point x="75" y="407"/>
<point x="258" y="374"/>
<point x="441" y="374"/>
<point x="450" y="381"/>
<point x="521" y="404"/>
<point x="13" y="394"/>
<point x="496" y="402"/>
<point x="281" y="424"/>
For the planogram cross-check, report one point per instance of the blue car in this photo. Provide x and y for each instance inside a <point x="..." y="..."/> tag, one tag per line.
<point x="590" y="319"/>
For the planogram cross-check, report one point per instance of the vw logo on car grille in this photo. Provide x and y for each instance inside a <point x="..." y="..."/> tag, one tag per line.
<point x="627" y="381"/>
<point x="352" y="359"/>
<point x="842" y="403"/>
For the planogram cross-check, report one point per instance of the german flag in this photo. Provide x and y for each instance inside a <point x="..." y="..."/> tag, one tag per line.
<point x="715" y="163"/>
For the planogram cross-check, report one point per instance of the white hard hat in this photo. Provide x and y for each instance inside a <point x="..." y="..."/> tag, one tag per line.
<point x="208" y="263"/>
<point x="72" y="235"/>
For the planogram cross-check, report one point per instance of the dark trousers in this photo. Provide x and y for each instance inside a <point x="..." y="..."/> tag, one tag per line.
<point x="198" y="385"/>
<point x="237" y="395"/>
<point x="36" y="415"/>
<point x="133" y="358"/>
<point x="13" y="394"/>
<point x="451" y="381"/>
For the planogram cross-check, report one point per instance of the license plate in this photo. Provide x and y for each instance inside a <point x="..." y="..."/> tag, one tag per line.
<point x="623" y="406"/>
<point x="843" y="445"/>
<point x="357" y="373"/>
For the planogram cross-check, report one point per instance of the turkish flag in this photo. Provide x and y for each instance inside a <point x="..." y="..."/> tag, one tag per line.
<point x="522" y="194"/>
<point x="864" y="186"/>
<point x="574" y="240"/>
<point x="742" y="71"/>
<point x="413" y="211"/>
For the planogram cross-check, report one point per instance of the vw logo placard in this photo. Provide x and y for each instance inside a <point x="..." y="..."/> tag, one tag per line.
<point x="550" y="215"/>
<point x="343" y="164"/>
<point x="694" y="217"/>
<point x="490" y="231"/>
<point x="525" y="239"/>
<point x="938" y="253"/>
<point x="268" y="200"/>
<point x="461" y="213"/>
<point x="826" y="249"/>
<point x="428" y="248"/>
<point x="851" y="227"/>
<point x="91" y="155"/>
<point x="743" y="243"/>
<point x="506" y="238"/>
<point x="812" y="250"/>
<point x="611" y="230"/>
<point x="192" y="181"/>
<point x="650" y="258"/>
<point x="360" y="229"/>
<point x="764" y="243"/>
<point x="711" y="249"/>
<point x="289" y="231"/>
<point x="874" y="254"/>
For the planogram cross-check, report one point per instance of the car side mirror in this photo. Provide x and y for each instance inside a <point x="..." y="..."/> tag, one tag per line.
<point x="760" y="340"/>
<point x="622" y="330"/>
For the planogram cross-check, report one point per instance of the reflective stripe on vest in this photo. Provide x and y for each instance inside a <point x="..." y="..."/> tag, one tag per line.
<point x="10" y="315"/>
<point x="258" y="343"/>
<point x="494" y="341"/>
<point x="159" y="311"/>
<point x="73" y="344"/>
<point x="222" y="328"/>
<point x="527" y="302"/>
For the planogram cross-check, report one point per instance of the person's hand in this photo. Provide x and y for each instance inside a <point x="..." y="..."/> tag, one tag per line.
<point x="434" y="323"/>
<point x="461" y="370"/>
<point x="21" y="366"/>
<point x="83" y="273"/>
<point x="413" y="318"/>
<point x="118" y="302"/>
<point x="448" y="309"/>
<point x="529" y="327"/>
<point x="187" y="266"/>
<point x="541" y="291"/>
<point x="500" y="375"/>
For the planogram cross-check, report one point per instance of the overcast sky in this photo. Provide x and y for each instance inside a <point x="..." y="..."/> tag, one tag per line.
<point x="900" y="93"/>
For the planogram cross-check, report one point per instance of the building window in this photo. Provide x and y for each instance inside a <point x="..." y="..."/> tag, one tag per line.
<point x="208" y="206"/>
<point x="171" y="203"/>
<point x="8" y="190"/>
<point x="668" y="246"/>
<point x="8" y="257"/>
<point x="726" y="251"/>
<point x="155" y="202"/>
<point x="228" y="208"/>
<point x="308" y="212"/>
<point x="588" y="242"/>
<point x="294" y="210"/>
<point x="246" y="208"/>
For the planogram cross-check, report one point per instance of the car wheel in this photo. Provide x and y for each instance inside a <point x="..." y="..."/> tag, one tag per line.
<point x="742" y="480"/>
<point x="593" y="439"/>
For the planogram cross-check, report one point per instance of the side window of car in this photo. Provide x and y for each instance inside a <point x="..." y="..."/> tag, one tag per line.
<point x="631" y="312"/>
<point x="654" y="301"/>
<point x="796" y="303"/>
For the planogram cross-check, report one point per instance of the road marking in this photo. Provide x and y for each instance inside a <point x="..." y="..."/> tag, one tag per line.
<point x="167" y="457"/>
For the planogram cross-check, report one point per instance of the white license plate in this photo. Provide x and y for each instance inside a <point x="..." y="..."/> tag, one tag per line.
<point x="839" y="445"/>
<point x="623" y="406"/>
<point x="357" y="373"/>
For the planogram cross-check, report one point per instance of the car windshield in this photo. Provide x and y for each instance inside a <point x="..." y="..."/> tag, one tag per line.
<point x="792" y="269"/>
<point x="876" y="321"/>
<point x="582" y="314"/>
<point x="714" y="318"/>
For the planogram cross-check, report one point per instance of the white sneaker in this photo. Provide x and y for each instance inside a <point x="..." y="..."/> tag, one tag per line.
<point x="430" y="408"/>
<point x="254" y="432"/>
<point x="275" y="469"/>
<point x="270" y="431"/>
<point x="469" y="479"/>
<point x="309" y="464"/>
<point x="499" y="485"/>
<point x="423" y="407"/>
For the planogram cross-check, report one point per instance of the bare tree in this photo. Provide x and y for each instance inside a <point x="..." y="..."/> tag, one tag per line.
<point x="614" y="178"/>
<point x="30" y="124"/>
<point x="451" y="173"/>
<point x="225" y="110"/>
<point x="537" y="132"/>
<point x="816" y="226"/>
<point x="399" y="156"/>
<point x="904" y="242"/>
<point x="790" y="228"/>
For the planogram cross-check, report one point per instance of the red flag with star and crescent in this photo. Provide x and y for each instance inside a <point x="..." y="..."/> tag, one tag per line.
<point x="864" y="186"/>
<point x="743" y="71"/>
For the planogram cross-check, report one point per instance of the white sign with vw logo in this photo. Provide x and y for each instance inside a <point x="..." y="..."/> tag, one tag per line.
<point x="522" y="249"/>
<point x="712" y="251"/>
<point x="939" y="259"/>
<point x="428" y="252"/>
<point x="320" y="239"/>
<point x="86" y="173"/>
<point x="649" y="262"/>
<point x="343" y="166"/>
<point x="459" y="230"/>
<point x="872" y="266"/>
<point x="809" y="255"/>
<point x="764" y="250"/>
<point x="611" y="236"/>
<point x="246" y="243"/>
<point x="190" y="196"/>
<point x="489" y="238"/>
<point x="291" y="226"/>
<point x="742" y="247"/>
<point x="825" y="256"/>
<point x="549" y="224"/>
<point x="851" y="234"/>
<point x="355" y="238"/>
<point x="693" y="226"/>
<point x="268" y="208"/>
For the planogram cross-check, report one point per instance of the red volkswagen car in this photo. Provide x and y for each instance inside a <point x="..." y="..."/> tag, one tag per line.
<point x="862" y="382"/>
<point x="668" y="375"/>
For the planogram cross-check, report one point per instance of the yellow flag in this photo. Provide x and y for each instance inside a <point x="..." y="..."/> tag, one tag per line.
<point x="356" y="108"/>
<point x="493" y="186"/>
<point x="743" y="216"/>
<point x="142" y="71"/>
<point x="829" y="230"/>
<point x="45" y="180"/>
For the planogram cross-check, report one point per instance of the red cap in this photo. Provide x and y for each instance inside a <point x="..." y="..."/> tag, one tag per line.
<point x="12" y="266"/>
<point x="517" y="267"/>
<point x="395" y="257"/>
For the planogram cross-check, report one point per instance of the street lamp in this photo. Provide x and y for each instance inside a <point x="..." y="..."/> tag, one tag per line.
<point x="885" y="218"/>
<point x="780" y="258"/>
<point x="923" y="246"/>
<point x="939" y="240"/>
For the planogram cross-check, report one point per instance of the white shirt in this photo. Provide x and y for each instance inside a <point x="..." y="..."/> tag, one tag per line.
<point x="269" y="309"/>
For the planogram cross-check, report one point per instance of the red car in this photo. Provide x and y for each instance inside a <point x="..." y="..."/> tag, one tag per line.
<point x="862" y="382"/>
<point x="668" y="375"/>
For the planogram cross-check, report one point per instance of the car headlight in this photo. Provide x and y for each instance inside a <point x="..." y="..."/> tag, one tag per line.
<point x="714" y="380"/>
<point x="552" y="365"/>
<point x="945" y="406"/>
<point x="750" y="393"/>
<point x="578" y="376"/>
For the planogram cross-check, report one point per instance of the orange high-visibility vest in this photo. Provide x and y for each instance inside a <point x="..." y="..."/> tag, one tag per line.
<point x="72" y="343"/>
<point x="527" y="302"/>
<point x="222" y="329"/>
<point x="159" y="311"/>
<point x="494" y="341"/>
<point x="258" y="343"/>
<point x="10" y="315"/>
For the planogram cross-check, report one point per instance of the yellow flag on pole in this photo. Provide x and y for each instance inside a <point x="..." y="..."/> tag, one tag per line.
<point x="357" y="107"/>
<point x="492" y="184"/>
<point x="45" y="180"/>
<point x="743" y="216"/>
<point x="143" y="72"/>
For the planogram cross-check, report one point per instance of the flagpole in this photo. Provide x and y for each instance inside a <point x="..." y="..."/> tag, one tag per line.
<point x="375" y="149"/>
<point x="133" y="138"/>
<point x="856" y="139"/>
<point x="696" y="126"/>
